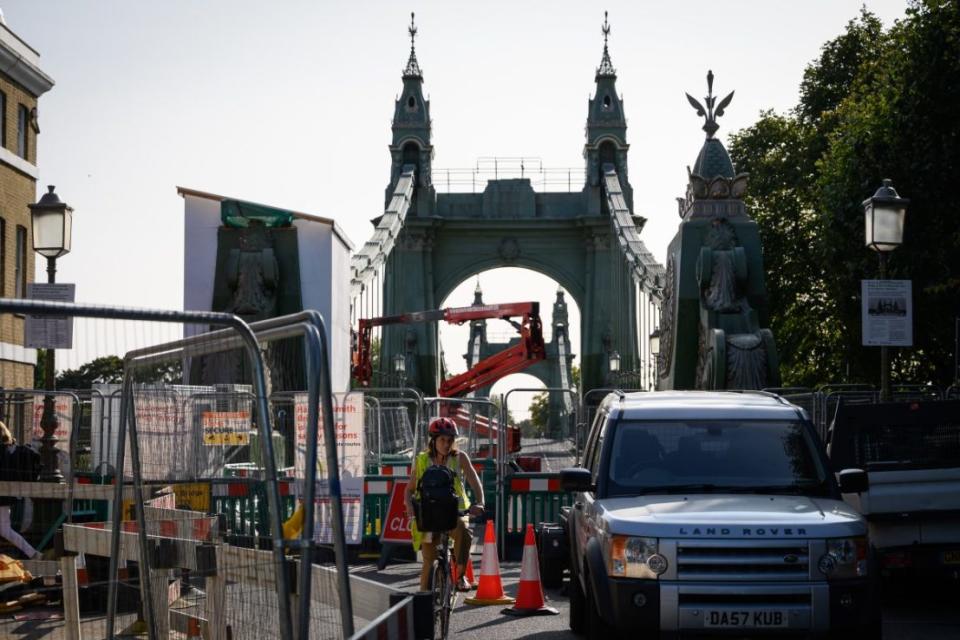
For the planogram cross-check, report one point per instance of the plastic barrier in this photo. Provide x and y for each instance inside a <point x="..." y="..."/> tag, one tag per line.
<point x="530" y="498"/>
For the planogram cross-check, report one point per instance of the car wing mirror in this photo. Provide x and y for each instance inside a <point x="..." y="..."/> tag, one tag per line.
<point x="853" y="481"/>
<point x="576" y="479"/>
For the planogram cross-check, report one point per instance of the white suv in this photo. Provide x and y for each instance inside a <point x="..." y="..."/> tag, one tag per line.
<point x="701" y="513"/>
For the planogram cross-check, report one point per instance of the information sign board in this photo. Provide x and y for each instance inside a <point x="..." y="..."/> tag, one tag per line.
<point x="887" y="312"/>
<point x="49" y="332"/>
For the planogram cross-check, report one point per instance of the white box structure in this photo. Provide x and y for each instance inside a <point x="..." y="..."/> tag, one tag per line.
<point x="324" y="270"/>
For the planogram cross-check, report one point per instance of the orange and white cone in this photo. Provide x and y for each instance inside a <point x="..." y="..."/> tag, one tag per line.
<point x="469" y="573"/>
<point x="490" y="590"/>
<point x="470" y="578"/>
<point x="530" y="594"/>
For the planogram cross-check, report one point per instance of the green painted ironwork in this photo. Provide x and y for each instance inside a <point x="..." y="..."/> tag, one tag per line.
<point x="239" y="214"/>
<point x="447" y="238"/>
<point x="714" y="314"/>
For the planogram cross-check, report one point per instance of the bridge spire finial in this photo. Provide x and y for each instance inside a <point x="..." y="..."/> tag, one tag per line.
<point x="606" y="66"/>
<point x="413" y="68"/>
<point x="709" y="113"/>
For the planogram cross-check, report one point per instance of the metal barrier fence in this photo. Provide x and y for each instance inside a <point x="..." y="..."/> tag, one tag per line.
<point x="517" y="504"/>
<point x="194" y="415"/>
<point x="822" y="405"/>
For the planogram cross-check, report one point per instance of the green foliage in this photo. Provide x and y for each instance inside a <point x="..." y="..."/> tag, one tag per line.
<point x="109" y="369"/>
<point x="539" y="415"/>
<point x="40" y="369"/>
<point x="875" y="104"/>
<point x="101" y="370"/>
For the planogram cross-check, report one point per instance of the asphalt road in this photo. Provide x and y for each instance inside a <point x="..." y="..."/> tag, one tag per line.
<point x="910" y="611"/>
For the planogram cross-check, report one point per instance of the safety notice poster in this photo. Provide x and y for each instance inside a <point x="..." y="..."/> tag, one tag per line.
<point x="348" y="428"/>
<point x="887" y="313"/>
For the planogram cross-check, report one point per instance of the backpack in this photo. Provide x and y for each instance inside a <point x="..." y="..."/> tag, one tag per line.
<point x="439" y="503"/>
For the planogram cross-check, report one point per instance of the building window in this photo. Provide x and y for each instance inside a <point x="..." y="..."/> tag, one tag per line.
<point x="23" y="123"/>
<point x="3" y="119"/>
<point x="20" y="266"/>
<point x="3" y="258"/>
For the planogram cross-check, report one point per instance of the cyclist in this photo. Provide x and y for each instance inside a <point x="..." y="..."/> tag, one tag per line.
<point x="442" y="449"/>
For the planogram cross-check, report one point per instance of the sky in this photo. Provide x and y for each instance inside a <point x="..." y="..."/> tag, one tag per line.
<point x="289" y="104"/>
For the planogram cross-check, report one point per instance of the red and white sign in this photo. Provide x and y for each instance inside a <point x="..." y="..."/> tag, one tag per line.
<point x="397" y="526"/>
<point x="348" y="430"/>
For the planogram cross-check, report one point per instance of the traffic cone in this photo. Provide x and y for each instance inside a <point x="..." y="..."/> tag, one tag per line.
<point x="490" y="590"/>
<point x="530" y="594"/>
<point x="470" y="578"/>
<point x="469" y="573"/>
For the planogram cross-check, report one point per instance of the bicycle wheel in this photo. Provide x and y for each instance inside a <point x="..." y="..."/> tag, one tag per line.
<point x="441" y="588"/>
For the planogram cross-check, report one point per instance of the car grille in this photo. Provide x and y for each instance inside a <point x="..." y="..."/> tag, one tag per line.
<point x="742" y="560"/>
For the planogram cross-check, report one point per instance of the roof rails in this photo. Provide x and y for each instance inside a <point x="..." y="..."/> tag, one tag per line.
<point x="760" y="392"/>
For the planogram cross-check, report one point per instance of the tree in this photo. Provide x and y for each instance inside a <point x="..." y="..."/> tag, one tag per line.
<point x="100" y="370"/>
<point x="109" y="369"/>
<point x="875" y="104"/>
<point x="539" y="413"/>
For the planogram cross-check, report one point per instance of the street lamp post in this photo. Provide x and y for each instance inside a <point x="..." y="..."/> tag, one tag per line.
<point x="52" y="222"/>
<point x="884" y="214"/>
<point x="400" y="368"/>
<point x="613" y="365"/>
<point x="655" y="355"/>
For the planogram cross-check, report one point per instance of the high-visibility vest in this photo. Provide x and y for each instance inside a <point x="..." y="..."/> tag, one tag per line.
<point x="420" y="464"/>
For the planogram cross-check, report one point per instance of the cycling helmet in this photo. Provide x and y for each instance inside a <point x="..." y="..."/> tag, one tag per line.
<point x="443" y="427"/>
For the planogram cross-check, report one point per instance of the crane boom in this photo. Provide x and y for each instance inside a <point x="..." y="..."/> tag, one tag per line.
<point x="526" y="352"/>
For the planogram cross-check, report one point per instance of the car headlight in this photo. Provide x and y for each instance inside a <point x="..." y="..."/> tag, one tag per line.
<point x="845" y="558"/>
<point x="630" y="557"/>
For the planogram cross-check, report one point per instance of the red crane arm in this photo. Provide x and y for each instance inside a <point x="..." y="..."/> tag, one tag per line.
<point x="516" y="358"/>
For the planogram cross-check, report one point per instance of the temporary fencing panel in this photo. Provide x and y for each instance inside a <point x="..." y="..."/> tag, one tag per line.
<point x="391" y="434"/>
<point x="195" y="421"/>
<point x="533" y="497"/>
<point x="186" y="408"/>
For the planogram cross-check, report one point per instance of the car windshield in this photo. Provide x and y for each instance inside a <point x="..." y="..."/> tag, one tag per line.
<point x="702" y="456"/>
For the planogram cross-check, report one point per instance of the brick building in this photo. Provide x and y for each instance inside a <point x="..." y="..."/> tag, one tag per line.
<point x="22" y="82"/>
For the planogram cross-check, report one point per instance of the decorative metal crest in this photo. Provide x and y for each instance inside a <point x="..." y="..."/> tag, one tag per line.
<point x="709" y="113"/>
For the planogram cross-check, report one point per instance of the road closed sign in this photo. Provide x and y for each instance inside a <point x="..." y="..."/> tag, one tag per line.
<point x="397" y="527"/>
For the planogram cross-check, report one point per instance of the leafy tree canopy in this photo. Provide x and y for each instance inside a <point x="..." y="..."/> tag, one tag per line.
<point x="876" y="104"/>
<point x="100" y="370"/>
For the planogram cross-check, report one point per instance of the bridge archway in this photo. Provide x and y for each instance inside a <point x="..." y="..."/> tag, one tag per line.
<point x="464" y="345"/>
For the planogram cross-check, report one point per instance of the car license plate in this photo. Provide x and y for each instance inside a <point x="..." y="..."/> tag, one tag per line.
<point x="951" y="557"/>
<point x="745" y="619"/>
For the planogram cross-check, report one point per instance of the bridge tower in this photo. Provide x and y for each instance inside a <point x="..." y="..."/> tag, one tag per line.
<point x="411" y="145"/>
<point x="586" y="239"/>
<point x="606" y="133"/>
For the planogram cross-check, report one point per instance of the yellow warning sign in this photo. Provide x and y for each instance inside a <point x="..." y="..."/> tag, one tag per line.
<point x="226" y="428"/>
<point x="193" y="496"/>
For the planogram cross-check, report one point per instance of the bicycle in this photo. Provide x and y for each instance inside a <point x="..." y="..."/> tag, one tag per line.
<point x="441" y="583"/>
